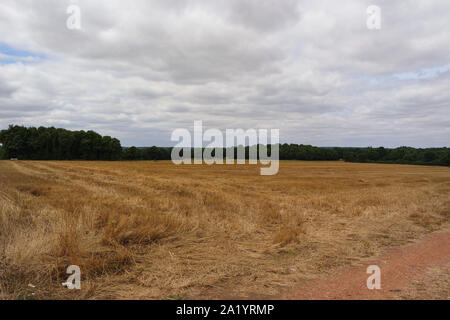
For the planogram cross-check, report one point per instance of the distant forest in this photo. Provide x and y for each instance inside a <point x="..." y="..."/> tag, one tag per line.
<point x="30" y="143"/>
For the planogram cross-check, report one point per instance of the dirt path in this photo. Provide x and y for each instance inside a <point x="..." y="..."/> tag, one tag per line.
<point x="403" y="270"/>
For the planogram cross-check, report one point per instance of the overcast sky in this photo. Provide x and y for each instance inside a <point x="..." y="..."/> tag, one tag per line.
<point x="139" y="69"/>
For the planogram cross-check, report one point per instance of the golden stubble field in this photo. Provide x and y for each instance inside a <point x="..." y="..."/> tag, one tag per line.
<point x="147" y="230"/>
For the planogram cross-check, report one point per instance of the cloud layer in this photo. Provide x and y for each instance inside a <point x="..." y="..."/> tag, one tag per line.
<point x="139" y="69"/>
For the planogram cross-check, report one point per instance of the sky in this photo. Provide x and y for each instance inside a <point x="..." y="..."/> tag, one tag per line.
<point x="139" y="69"/>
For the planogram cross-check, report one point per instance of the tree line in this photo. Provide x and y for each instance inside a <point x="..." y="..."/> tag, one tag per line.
<point x="57" y="144"/>
<point x="401" y="155"/>
<point x="30" y="143"/>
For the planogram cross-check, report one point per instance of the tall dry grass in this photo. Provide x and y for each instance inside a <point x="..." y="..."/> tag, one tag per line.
<point x="155" y="230"/>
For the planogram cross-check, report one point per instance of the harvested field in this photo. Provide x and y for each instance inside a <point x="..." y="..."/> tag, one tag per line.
<point x="153" y="230"/>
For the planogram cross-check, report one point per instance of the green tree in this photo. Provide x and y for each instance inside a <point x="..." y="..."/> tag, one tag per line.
<point x="445" y="157"/>
<point x="57" y="144"/>
<point x="429" y="156"/>
<point x="131" y="153"/>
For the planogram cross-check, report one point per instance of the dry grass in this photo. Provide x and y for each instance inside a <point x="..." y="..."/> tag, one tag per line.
<point x="155" y="230"/>
<point x="435" y="285"/>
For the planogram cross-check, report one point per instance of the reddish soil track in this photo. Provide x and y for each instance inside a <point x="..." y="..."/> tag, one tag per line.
<point x="400" y="268"/>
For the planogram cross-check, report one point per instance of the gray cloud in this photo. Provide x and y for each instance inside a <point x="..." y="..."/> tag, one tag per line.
<point x="139" y="69"/>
